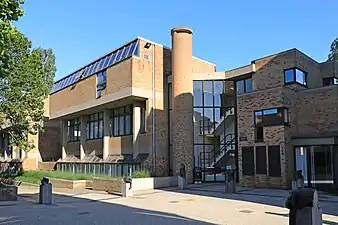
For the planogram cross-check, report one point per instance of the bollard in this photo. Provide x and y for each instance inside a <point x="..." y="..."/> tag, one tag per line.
<point x="298" y="180"/>
<point x="230" y="181"/>
<point x="46" y="192"/>
<point x="127" y="187"/>
<point x="181" y="180"/>
<point x="304" y="207"/>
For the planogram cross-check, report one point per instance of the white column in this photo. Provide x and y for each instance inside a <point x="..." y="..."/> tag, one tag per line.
<point x="64" y="138"/>
<point x="84" y="120"/>
<point x="136" y="129"/>
<point x="106" y="132"/>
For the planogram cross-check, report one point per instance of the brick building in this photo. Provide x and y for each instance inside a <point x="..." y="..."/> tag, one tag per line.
<point x="160" y="107"/>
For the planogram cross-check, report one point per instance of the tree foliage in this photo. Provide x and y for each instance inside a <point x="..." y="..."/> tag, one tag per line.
<point x="26" y="78"/>
<point x="333" y="56"/>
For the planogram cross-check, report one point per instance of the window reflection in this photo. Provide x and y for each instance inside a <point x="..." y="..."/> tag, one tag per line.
<point x="207" y="93"/>
<point x="198" y="99"/>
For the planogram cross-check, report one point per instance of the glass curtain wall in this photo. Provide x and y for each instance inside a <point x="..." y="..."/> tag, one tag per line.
<point x="317" y="165"/>
<point x="214" y="126"/>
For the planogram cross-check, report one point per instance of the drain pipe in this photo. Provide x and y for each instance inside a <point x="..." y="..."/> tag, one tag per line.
<point x="153" y="103"/>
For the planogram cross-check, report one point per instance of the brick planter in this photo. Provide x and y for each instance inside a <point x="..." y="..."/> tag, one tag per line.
<point x="69" y="184"/>
<point x="8" y="193"/>
<point x="111" y="186"/>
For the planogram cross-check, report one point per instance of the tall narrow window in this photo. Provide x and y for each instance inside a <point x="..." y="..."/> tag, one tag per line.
<point x="74" y="129"/>
<point x="95" y="126"/>
<point x="143" y="119"/>
<point x="122" y="121"/>
<point x="261" y="160"/>
<point x="274" y="161"/>
<point x="101" y="82"/>
<point x="248" y="161"/>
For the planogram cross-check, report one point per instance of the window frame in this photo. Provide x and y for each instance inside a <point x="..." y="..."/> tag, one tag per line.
<point x="90" y="126"/>
<point x="244" y="85"/>
<point x="294" y="81"/>
<point x="123" y="116"/>
<point x="283" y="110"/>
<point x="333" y="81"/>
<point x="101" y="84"/>
<point x="73" y="125"/>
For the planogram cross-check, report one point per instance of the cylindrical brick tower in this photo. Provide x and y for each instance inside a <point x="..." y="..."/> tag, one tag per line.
<point x="182" y="100"/>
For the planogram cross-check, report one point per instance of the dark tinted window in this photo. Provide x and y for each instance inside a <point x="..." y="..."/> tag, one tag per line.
<point x="271" y="117"/>
<point x="261" y="160"/>
<point x="274" y="161"/>
<point x="259" y="134"/>
<point x="244" y="86"/>
<point x="248" y="161"/>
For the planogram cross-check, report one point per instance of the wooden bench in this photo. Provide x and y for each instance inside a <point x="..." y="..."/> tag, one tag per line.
<point x="10" y="182"/>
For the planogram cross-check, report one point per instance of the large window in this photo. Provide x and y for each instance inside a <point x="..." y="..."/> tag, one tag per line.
<point x="74" y="129"/>
<point x="295" y="75"/>
<point x="330" y="81"/>
<point x="214" y="106"/>
<point x="244" y="86"/>
<point x="122" y="121"/>
<point x="95" y="126"/>
<point x="101" y="82"/>
<point x="272" y="117"/>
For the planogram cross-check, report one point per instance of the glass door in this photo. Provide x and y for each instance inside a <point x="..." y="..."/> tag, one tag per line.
<point x="321" y="167"/>
<point x="302" y="162"/>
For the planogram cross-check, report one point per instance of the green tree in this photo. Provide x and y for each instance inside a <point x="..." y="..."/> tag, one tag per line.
<point x="26" y="78"/>
<point x="333" y="56"/>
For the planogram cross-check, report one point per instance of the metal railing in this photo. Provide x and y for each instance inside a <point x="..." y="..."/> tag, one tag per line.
<point x="107" y="169"/>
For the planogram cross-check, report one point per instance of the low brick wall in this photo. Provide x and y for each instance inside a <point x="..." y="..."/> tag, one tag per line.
<point x="109" y="185"/>
<point x="70" y="184"/>
<point x="8" y="193"/>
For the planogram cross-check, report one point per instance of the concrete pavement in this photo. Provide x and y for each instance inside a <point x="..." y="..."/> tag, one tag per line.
<point x="159" y="207"/>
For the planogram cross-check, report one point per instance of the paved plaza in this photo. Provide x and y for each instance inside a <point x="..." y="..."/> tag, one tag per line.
<point x="197" y="205"/>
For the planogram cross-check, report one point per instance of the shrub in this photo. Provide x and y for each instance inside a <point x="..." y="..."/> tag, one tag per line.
<point x="141" y="174"/>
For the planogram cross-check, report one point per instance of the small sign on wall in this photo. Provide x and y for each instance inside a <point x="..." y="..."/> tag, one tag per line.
<point x="242" y="137"/>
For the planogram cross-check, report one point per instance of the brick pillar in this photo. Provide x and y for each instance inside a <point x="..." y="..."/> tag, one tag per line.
<point x="106" y="132"/>
<point x="136" y="128"/>
<point x="84" y="120"/>
<point x="64" y="138"/>
<point x="182" y="108"/>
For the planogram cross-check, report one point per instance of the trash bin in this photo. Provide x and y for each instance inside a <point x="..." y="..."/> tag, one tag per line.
<point x="230" y="181"/>
<point x="304" y="207"/>
<point x="298" y="180"/>
<point x="197" y="175"/>
<point x="46" y="192"/>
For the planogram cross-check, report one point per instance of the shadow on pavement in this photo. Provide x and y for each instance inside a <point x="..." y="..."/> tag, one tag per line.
<point x="261" y="196"/>
<point x="287" y="215"/>
<point x="74" y="210"/>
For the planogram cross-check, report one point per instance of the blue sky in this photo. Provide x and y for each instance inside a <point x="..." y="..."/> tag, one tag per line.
<point x="229" y="33"/>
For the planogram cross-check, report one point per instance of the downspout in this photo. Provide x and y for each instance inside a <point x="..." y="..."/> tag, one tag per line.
<point x="153" y="103"/>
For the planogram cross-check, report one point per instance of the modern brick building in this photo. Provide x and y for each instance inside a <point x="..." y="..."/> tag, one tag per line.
<point x="163" y="108"/>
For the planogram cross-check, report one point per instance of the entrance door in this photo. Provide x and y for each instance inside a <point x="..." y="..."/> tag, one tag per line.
<point x="321" y="167"/>
<point x="316" y="163"/>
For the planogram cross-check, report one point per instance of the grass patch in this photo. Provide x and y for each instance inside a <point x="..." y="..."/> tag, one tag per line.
<point x="35" y="177"/>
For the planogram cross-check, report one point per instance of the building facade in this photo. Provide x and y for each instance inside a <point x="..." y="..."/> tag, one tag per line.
<point x="163" y="108"/>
